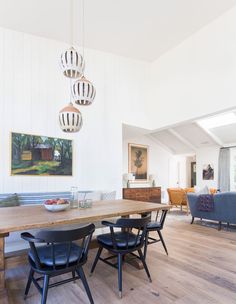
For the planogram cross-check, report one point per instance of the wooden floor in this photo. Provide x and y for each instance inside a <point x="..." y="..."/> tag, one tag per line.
<point x="201" y="268"/>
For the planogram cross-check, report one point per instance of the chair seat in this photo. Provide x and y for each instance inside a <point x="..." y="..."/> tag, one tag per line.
<point x="45" y="254"/>
<point x="121" y="239"/>
<point x="153" y="226"/>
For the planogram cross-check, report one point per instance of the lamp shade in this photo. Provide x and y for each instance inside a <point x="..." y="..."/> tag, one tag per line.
<point x="70" y="119"/>
<point x="131" y="177"/>
<point x="72" y="63"/>
<point x="125" y="177"/>
<point x="83" y="92"/>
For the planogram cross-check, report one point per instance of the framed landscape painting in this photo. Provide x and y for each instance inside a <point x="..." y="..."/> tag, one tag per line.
<point x="138" y="161"/>
<point x="40" y="155"/>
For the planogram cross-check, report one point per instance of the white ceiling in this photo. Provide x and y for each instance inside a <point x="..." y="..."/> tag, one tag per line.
<point x="194" y="135"/>
<point x="227" y="134"/>
<point x="133" y="28"/>
<point x="186" y="138"/>
<point x="168" y="139"/>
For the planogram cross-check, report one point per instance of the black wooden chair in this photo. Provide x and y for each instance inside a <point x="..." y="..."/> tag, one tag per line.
<point x="58" y="256"/>
<point x="123" y="242"/>
<point x="155" y="226"/>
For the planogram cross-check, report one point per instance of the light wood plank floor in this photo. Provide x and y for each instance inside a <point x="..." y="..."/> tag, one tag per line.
<point x="201" y="268"/>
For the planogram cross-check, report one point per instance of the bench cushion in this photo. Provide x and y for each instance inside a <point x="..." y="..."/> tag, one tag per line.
<point x="35" y="198"/>
<point x="109" y="195"/>
<point x="10" y="201"/>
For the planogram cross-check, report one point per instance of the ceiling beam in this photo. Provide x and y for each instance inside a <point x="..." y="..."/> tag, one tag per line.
<point x="183" y="140"/>
<point x="158" y="142"/>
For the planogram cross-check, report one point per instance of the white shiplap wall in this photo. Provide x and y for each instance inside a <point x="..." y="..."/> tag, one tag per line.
<point x="33" y="90"/>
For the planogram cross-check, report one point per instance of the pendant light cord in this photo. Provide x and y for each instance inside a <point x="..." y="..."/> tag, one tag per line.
<point x="71" y="38"/>
<point x="83" y="28"/>
<point x="71" y="22"/>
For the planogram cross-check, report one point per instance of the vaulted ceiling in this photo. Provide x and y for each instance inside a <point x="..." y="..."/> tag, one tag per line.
<point x="186" y="138"/>
<point x="139" y="29"/>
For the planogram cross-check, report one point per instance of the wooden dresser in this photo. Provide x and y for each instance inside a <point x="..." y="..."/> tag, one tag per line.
<point x="149" y="194"/>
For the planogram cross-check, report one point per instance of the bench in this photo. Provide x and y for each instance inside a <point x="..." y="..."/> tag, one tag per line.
<point x="14" y="241"/>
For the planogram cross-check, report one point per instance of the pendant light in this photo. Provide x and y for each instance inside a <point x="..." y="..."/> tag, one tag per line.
<point x="70" y="119"/>
<point x="83" y="91"/>
<point x="72" y="62"/>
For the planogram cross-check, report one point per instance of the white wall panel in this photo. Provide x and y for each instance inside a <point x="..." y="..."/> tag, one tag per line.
<point x="33" y="90"/>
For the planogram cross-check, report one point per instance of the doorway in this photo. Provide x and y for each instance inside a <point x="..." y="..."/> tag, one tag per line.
<point x="193" y="174"/>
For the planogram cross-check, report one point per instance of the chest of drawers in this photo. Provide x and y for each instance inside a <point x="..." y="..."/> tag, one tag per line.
<point x="150" y="194"/>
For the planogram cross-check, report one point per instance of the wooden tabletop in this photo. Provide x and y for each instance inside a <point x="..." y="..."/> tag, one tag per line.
<point x="29" y="217"/>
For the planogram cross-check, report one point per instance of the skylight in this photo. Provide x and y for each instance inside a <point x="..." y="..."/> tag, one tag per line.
<point x="218" y="121"/>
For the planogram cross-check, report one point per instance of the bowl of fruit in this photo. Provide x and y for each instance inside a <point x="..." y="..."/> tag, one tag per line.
<point x="55" y="205"/>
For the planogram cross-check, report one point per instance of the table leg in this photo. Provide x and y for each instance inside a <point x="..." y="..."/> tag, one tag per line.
<point x="3" y="290"/>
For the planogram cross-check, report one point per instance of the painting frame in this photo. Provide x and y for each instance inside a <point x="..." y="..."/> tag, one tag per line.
<point x="131" y="150"/>
<point x="208" y="172"/>
<point x="68" y="173"/>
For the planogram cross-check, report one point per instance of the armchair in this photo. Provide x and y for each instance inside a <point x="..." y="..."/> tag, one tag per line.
<point x="178" y="197"/>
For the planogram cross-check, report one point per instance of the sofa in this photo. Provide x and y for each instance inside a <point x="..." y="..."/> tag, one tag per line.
<point x="178" y="196"/>
<point x="224" y="210"/>
<point x="14" y="241"/>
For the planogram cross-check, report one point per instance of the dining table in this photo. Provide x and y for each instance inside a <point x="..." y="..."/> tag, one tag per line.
<point x="24" y="218"/>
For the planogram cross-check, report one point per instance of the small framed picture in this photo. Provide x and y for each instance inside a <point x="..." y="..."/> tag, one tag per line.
<point x="208" y="172"/>
<point x="138" y="161"/>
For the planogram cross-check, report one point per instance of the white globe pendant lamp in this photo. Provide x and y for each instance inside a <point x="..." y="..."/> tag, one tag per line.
<point x="72" y="63"/>
<point x="83" y="92"/>
<point x="70" y="119"/>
